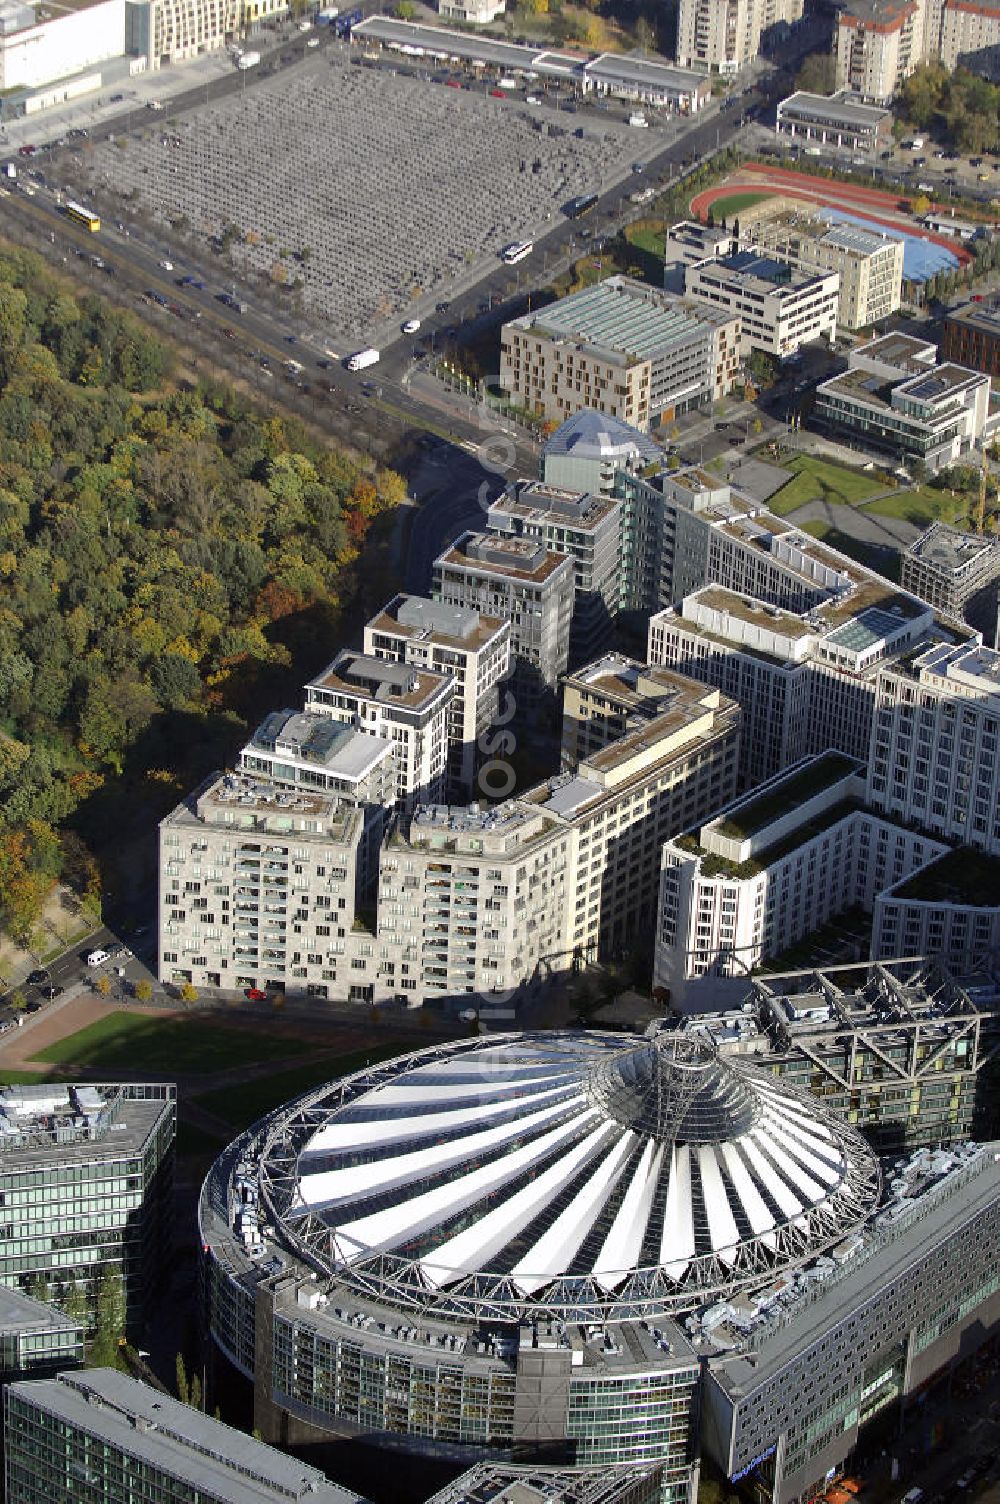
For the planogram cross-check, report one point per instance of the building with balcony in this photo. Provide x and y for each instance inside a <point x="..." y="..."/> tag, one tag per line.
<point x="622" y="348"/>
<point x="869" y="265"/>
<point x="459" y="642"/>
<point x="726" y="38"/>
<point x="779" y="308"/>
<point x="399" y="703"/>
<point x="878" y="45"/>
<point x="86" y="1181"/>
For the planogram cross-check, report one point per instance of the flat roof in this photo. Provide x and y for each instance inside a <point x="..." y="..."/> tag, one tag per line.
<point x="759" y="613"/>
<point x="785" y="794"/>
<point x="984" y="316"/>
<point x="644" y="70"/>
<point x="21" y="1313"/>
<point x="418" y="618"/>
<point x="949" y="548"/>
<point x="622" y="316"/>
<point x="370" y="678"/>
<point x="542" y="501"/>
<point x="439" y="40"/>
<point x="519" y="558"/>
<point x="963" y="876"/>
<point x="833" y="109"/>
<point x="132" y="1120"/>
<point x="178" y="1440"/>
<point x="342" y="751"/>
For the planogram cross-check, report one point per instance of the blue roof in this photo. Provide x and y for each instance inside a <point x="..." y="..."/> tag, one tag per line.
<point x="592" y="435"/>
<point x="922" y="259"/>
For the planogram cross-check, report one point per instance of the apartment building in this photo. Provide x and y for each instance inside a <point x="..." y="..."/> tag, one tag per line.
<point x="588" y="449"/>
<point x="525" y="583"/>
<point x="878" y="45"/>
<point x="459" y="642"/>
<point x="86" y="1180"/>
<point x="779" y="309"/>
<point x="622" y="348"/>
<point x="806" y="679"/>
<point x="406" y="706"/>
<point x="933" y="757"/>
<point x="259" y="887"/>
<point x="300" y="751"/>
<point x="894" y="399"/>
<point x="835" y="120"/>
<point x="589" y="529"/>
<point x="102" y="1435"/>
<point x="473" y="900"/>
<point x="770" y="870"/>
<point x="971" y="336"/>
<point x="726" y="38"/>
<point x="869" y="266"/>
<point x="970" y="36"/>
<point x="950" y="908"/>
<point x="957" y="573"/>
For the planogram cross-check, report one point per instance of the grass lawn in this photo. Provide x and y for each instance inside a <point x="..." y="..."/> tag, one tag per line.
<point x="922" y="506"/>
<point x="23" y="1078"/>
<point x="814" y="479"/>
<point x="244" y="1104"/>
<point x="128" y="1041"/>
<point x="646" y="238"/>
<point x="735" y="203"/>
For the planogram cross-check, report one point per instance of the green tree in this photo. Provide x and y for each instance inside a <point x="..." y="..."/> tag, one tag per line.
<point x="817" y="74"/>
<point x="75" y="1304"/>
<point x="183" y="1387"/>
<point x="109" y="1321"/>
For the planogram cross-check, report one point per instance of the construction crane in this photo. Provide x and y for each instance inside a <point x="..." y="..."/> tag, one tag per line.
<point x="985" y="475"/>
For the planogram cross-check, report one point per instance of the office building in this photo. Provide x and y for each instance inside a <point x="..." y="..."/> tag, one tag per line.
<point x="508" y="1274"/>
<point x="586" y="527"/>
<point x="608" y="698"/>
<point x="933" y="757"/>
<point x="958" y="573"/>
<point x="689" y="242"/>
<point x="894" y="399"/>
<point x="878" y="45"/>
<point x="36" y="1339"/>
<point x="778" y="308"/>
<point x="525" y="583"/>
<point x="259" y="886"/>
<point x="86" y="1180"/>
<point x="398" y="703"/>
<point x="474" y="12"/>
<point x="587" y="450"/>
<point x="971" y="336"/>
<point x="459" y="642"/>
<point x="49" y="55"/>
<point x="869" y="265"/>
<point x="623" y="348"/>
<point x="805" y="678"/>
<point x="726" y="38"/>
<point x="838" y="120"/>
<point x="948" y="908"/>
<point x="905" y="1050"/>
<point x="767" y="872"/>
<point x="100" y="1435"/>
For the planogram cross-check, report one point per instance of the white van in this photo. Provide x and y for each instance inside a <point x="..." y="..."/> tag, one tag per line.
<point x="913" y="1497"/>
<point x="98" y="957"/>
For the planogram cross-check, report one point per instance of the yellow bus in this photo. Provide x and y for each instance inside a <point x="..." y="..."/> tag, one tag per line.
<point x="83" y="216"/>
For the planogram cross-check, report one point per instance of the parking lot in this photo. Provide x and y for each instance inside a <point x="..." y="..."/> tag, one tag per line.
<point x="366" y="191"/>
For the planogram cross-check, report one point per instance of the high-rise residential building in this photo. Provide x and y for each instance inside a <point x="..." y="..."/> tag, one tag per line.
<point x="778" y="307"/>
<point x="806" y="679"/>
<point x="571" y="522"/>
<point x="36" y="1339"/>
<point x="99" y="1435"/>
<point x="869" y="265"/>
<point x="522" y="581"/>
<point x="905" y="1050"/>
<point x="948" y="908"/>
<point x="958" y="573"/>
<point x="460" y="642"/>
<point x="399" y="703"/>
<point x="86" y="1182"/>
<point x="770" y="870"/>
<point x="878" y="45"/>
<point x="259" y="886"/>
<point x="894" y="399"/>
<point x="607" y="698"/>
<point x="726" y="38"/>
<point x="835" y="120"/>
<point x="933" y="757"/>
<point x="588" y="449"/>
<point x="623" y="348"/>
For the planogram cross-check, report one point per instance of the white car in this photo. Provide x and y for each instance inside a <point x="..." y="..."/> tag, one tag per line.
<point x="411" y="326"/>
<point x="168" y="266"/>
<point x="98" y="957"/>
<point x="313" y="42"/>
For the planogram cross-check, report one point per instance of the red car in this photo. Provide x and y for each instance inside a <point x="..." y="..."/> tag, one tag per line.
<point x="26" y="151"/>
<point x="497" y="93"/>
<point x="255" y="995"/>
<point x="453" y="83"/>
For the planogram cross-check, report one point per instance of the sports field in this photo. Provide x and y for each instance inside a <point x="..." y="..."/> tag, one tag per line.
<point x="736" y="203"/>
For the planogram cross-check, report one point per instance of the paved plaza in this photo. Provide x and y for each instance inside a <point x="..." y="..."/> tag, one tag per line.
<point x="374" y="192"/>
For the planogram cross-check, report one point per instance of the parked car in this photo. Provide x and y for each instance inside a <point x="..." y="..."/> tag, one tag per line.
<point x="98" y="957"/>
<point x="36" y="978"/>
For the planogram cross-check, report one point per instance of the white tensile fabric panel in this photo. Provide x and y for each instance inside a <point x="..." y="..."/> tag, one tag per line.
<point x="790" y="1141"/>
<point x="410" y="1091"/>
<point x="780" y="1192"/>
<point x="677" y="1238"/>
<point x="808" y="1189"/>
<point x="752" y="1202"/>
<point x="828" y="1150"/>
<point x="340" y="1135"/>
<point x="722" y="1229"/>
<point x="352" y="1181"/>
<point x="624" y="1240"/>
<point x="793" y="1108"/>
<point x="468" y="1250"/>
<point x="406" y="1219"/>
<point x="556" y="1247"/>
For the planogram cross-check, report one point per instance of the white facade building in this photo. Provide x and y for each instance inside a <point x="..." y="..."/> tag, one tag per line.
<point x="399" y="703"/>
<point x="726" y="37"/>
<point x="459" y="642"/>
<point x="779" y="309"/>
<point x="948" y="909"/>
<point x="39" y="47"/>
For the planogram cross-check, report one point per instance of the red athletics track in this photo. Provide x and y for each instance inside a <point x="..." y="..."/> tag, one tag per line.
<point x="880" y="207"/>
